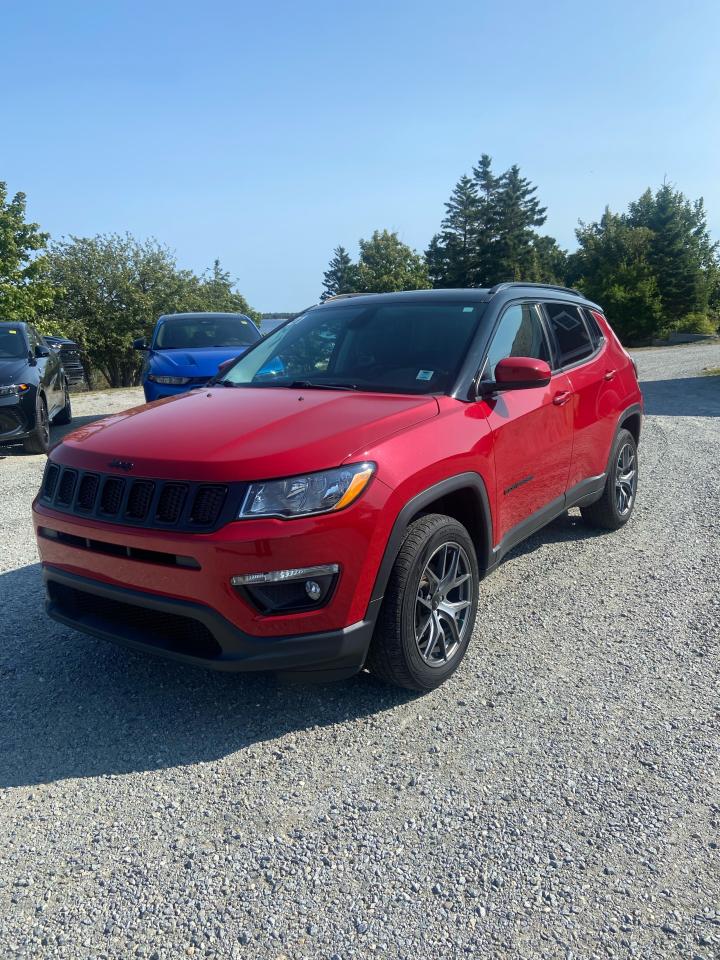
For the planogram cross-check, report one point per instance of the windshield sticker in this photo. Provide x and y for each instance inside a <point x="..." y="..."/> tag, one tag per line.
<point x="425" y="375"/>
<point x="468" y="309"/>
<point x="11" y="331"/>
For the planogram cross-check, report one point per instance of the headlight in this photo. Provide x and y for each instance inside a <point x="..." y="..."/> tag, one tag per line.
<point x="312" y="493"/>
<point x="171" y="381"/>
<point x="13" y="389"/>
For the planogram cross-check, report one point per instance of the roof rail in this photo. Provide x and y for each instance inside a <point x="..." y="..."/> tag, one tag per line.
<point x="542" y="286"/>
<point x="344" y="296"/>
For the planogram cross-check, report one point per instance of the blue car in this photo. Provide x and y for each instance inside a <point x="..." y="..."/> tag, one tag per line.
<point x="186" y="350"/>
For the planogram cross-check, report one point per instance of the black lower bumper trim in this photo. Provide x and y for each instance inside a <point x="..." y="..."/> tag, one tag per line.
<point x="195" y="633"/>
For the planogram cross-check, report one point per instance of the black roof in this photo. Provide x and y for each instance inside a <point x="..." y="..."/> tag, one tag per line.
<point x="504" y="291"/>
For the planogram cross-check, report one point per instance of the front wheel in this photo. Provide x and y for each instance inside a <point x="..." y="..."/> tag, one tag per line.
<point x="615" y="506"/>
<point x="428" y="613"/>
<point x="65" y="415"/>
<point x="39" y="440"/>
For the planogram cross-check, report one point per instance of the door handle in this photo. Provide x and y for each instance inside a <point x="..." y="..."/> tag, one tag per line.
<point x="610" y="375"/>
<point x="560" y="398"/>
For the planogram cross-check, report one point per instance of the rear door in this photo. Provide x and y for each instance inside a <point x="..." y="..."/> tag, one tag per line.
<point x="532" y="428"/>
<point x="583" y="355"/>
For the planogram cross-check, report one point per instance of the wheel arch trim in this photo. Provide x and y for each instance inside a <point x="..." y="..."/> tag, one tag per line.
<point x="463" y="481"/>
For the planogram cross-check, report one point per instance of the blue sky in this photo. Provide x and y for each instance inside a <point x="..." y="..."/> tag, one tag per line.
<point x="267" y="133"/>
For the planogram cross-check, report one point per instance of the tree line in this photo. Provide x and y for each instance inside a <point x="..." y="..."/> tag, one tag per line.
<point x="654" y="268"/>
<point x="101" y="291"/>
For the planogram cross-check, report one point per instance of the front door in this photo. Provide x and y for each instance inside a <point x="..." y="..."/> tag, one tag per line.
<point x="532" y="428"/>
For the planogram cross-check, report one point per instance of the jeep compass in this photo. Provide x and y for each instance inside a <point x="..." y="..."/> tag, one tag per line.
<point x="331" y="501"/>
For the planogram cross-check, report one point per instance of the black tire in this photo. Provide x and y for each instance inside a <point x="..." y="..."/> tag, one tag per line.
<point x="65" y="415"/>
<point x="611" y="511"/>
<point x="395" y="653"/>
<point x="39" y="440"/>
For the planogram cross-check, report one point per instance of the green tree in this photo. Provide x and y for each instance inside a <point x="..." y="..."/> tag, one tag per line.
<point x="341" y="275"/>
<point x="613" y="266"/>
<point x="113" y="288"/>
<point x="387" y="264"/>
<point x="459" y="228"/>
<point x="25" y="293"/>
<point x="216" y="293"/>
<point x="682" y="254"/>
<point x="486" y="228"/>
<point x="517" y="212"/>
<point x="550" y="261"/>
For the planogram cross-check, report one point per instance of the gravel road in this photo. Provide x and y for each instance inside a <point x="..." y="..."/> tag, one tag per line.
<point x="559" y="798"/>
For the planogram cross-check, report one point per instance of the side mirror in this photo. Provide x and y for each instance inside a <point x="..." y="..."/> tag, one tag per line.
<point x="140" y="344"/>
<point x="521" y="373"/>
<point x="41" y="351"/>
<point x="225" y="366"/>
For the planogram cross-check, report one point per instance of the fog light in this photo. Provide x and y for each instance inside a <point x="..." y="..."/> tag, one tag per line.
<point x="313" y="589"/>
<point x="288" y="591"/>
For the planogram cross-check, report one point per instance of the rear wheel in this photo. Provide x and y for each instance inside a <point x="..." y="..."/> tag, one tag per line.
<point x="65" y="415"/>
<point x="428" y="613"/>
<point x="614" y="508"/>
<point x="39" y="439"/>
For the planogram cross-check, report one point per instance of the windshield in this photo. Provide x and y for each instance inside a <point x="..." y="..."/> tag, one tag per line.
<point x="386" y="347"/>
<point x="195" y="333"/>
<point x="12" y="342"/>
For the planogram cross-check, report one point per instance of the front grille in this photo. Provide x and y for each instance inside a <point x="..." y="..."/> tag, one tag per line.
<point x="50" y="481"/>
<point x="87" y="491"/>
<point x="67" y="487"/>
<point x="171" y="502"/>
<point x="169" y="631"/>
<point x="141" y="501"/>
<point x="112" y="495"/>
<point x="207" y="505"/>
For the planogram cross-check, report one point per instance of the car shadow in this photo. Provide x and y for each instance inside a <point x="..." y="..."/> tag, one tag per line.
<point x="57" y="433"/>
<point x="73" y="706"/>
<point x="566" y="528"/>
<point x="684" y="397"/>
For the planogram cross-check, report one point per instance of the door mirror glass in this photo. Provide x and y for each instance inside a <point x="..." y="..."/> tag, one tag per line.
<point x="41" y="351"/>
<point x="140" y="344"/>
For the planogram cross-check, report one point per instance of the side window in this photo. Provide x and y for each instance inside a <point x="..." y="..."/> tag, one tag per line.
<point x="572" y="337"/>
<point x="594" y="327"/>
<point x="32" y="337"/>
<point x="519" y="334"/>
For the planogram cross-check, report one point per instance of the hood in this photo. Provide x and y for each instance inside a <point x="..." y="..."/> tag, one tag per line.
<point x="223" y="434"/>
<point x="12" y="370"/>
<point x="191" y="363"/>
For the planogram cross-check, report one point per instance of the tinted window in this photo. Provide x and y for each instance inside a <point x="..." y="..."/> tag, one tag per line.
<point x="12" y="341"/>
<point x="572" y="337"/>
<point x="194" y="333"/>
<point x="400" y="347"/>
<point x="594" y="327"/>
<point x="520" y="334"/>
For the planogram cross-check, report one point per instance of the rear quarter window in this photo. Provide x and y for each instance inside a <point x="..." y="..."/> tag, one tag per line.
<point x="571" y="333"/>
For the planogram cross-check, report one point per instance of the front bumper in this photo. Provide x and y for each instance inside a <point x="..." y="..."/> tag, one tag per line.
<point x="15" y="419"/>
<point x="195" y="633"/>
<point x="158" y="391"/>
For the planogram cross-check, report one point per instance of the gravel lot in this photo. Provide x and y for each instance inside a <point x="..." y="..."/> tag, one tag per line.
<point x="559" y="798"/>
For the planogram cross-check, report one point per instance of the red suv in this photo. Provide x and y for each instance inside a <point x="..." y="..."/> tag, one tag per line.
<point x="331" y="500"/>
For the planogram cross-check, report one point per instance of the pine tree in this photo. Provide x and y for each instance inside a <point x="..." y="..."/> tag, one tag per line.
<point x="341" y="275"/>
<point x="486" y="228"/>
<point x="517" y="210"/>
<point x="680" y="249"/>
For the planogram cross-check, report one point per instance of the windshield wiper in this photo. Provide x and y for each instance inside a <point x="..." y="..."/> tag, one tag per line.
<point x="313" y="385"/>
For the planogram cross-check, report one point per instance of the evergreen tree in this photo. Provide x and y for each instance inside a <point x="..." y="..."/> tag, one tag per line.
<point x="682" y="254"/>
<point x="486" y="227"/>
<point x="341" y="275"/>
<point x="517" y="211"/>
<point x="549" y="261"/>
<point x="439" y="262"/>
<point x="613" y="266"/>
<point x="387" y="264"/>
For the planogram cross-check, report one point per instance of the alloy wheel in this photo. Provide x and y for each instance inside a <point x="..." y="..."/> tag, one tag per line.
<point x="443" y="603"/>
<point x="626" y="476"/>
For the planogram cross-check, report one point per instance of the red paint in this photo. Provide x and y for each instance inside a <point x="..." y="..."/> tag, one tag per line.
<point x="529" y="445"/>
